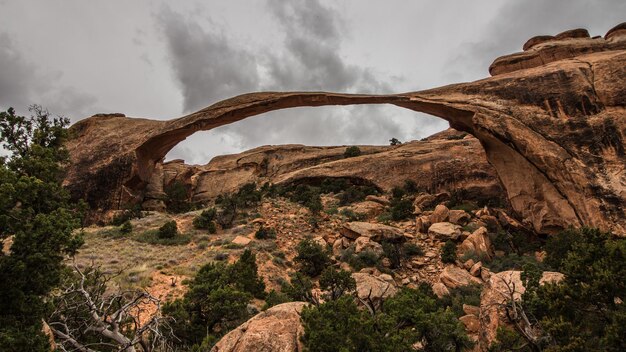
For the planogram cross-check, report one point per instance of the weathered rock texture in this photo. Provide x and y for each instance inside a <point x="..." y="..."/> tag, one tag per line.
<point x="276" y="329"/>
<point x="445" y="161"/>
<point x="552" y="122"/>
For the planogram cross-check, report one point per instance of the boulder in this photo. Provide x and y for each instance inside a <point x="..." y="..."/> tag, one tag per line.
<point x="276" y="329"/>
<point x="453" y="277"/>
<point x="476" y="269"/>
<point x="376" y="232"/>
<point x="469" y="309"/>
<point x="477" y="243"/>
<point x="376" y="288"/>
<point x="366" y="244"/>
<point x="440" y="290"/>
<point x="368" y="208"/>
<point x="241" y="240"/>
<point x="459" y="217"/>
<point x="339" y="245"/>
<point x="378" y="199"/>
<point x="422" y="223"/>
<point x="440" y="214"/>
<point x="444" y="231"/>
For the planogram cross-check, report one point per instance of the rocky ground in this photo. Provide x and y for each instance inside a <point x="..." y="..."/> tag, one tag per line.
<point x="352" y="234"/>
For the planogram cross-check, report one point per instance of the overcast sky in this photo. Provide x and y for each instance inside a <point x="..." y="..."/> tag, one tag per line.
<point x="161" y="59"/>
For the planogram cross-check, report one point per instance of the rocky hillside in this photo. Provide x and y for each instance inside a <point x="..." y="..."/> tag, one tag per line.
<point x="432" y="242"/>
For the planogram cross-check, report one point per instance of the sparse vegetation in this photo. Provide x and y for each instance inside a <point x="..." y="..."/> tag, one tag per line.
<point x="352" y="151"/>
<point x="126" y="228"/>
<point x="394" y="141"/>
<point x="264" y="233"/>
<point x="448" y="252"/>
<point x="311" y="257"/>
<point x="177" y="198"/>
<point x="168" y="231"/>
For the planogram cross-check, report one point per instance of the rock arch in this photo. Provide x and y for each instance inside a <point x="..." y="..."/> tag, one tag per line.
<point x="552" y="121"/>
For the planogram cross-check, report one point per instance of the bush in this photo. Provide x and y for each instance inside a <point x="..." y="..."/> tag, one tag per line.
<point x="352" y="152"/>
<point x="350" y="215"/>
<point x="412" y="250"/>
<point x="275" y="298"/>
<point x="205" y="219"/>
<point x="265" y="233"/>
<point x="396" y="252"/>
<point x="461" y="295"/>
<point x="168" y="230"/>
<point x="448" y="252"/>
<point x="585" y="311"/>
<point x="410" y="187"/>
<point x="133" y="212"/>
<point x="394" y="141"/>
<point x="298" y="288"/>
<point x="401" y="209"/>
<point x="412" y="316"/>
<point x="337" y="283"/>
<point x="126" y="227"/>
<point x="311" y="257"/>
<point x="177" y="200"/>
<point x="153" y="237"/>
<point x="366" y="259"/>
<point x="215" y="302"/>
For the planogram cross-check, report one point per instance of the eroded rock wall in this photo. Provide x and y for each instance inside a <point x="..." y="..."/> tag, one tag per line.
<point x="552" y="127"/>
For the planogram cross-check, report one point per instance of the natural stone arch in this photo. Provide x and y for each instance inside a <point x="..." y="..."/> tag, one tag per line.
<point x="554" y="132"/>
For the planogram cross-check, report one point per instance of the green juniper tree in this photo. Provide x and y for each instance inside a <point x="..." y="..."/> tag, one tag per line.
<point x="37" y="217"/>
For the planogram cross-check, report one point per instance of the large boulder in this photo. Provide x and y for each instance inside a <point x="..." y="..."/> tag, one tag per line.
<point x="444" y="231"/>
<point x="366" y="244"/>
<point x="440" y="214"/>
<point x="500" y="288"/>
<point x="452" y="276"/>
<point x="373" y="287"/>
<point x="477" y="243"/>
<point x="375" y="232"/>
<point x="276" y="329"/>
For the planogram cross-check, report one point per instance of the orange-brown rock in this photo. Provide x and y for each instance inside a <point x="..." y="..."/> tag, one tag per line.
<point x="276" y="329"/>
<point x="551" y="120"/>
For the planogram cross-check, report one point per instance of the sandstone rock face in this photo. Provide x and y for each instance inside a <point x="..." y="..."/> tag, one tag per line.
<point x="375" y="232"/>
<point x="444" y="231"/>
<point x="453" y="277"/>
<point x="499" y="289"/>
<point x="376" y="288"/>
<point x="276" y="329"/>
<point x="551" y="121"/>
<point x="479" y="243"/>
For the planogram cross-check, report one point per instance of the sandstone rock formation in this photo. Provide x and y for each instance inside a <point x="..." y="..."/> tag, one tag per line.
<point x="276" y="329"/>
<point x="551" y="120"/>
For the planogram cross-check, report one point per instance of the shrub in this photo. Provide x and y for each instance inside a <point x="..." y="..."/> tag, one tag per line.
<point x="585" y="311"/>
<point x="350" y="215"/>
<point x="275" y="298"/>
<point x="132" y="212"/>
<point x="298" y="288"/>
<point x="461" y="295"/>
<point x="168" y="230"/>
<point x="352" y="152"/>
<point x="311" y="257"/>
<point x="401" y="209"/>
<point x="337" y="283"/>
<point x="394" y="141"/>
<point x="126" y="227"/>
<point x="153" y="237"/>
<point x="448" y="252"/>
<point x="410" y="187"/>
<point x="177" y="200"/>
<point x="367" y="259"/>
<point x="265" y="233"/>
<point x="412" y="316"/>
<point x="205" y="219"/>
<point x="215" y="302"/>
<point x="412" y="250"/>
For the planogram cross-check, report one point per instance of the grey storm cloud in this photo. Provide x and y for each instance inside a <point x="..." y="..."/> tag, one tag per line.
<point x="206" y="65"/>
<point x="518" y="21"/>
<point x="23" y="84"/>
<point x="210" y="66"/>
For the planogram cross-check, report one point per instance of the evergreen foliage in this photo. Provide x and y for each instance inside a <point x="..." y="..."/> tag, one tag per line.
<point x="311" y="257"/>
<point x="36" y="211"/>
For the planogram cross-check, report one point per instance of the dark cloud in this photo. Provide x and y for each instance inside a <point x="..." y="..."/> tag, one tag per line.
<point x="518" y="21"/>
<point x="206" y="65"/>
<point x="209" y="66"/>
<point x="23" y="84"/>
<point x="311" y="60"/>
